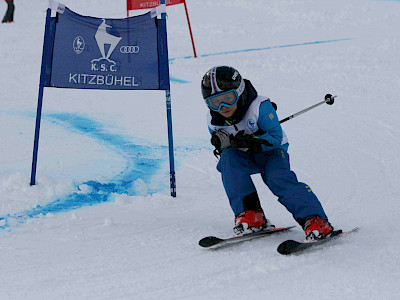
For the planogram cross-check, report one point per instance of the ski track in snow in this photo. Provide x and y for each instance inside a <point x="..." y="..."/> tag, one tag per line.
<point x="142" y="163"/>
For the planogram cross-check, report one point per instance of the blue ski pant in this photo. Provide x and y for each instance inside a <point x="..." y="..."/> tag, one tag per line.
<point x="236" y="167"/>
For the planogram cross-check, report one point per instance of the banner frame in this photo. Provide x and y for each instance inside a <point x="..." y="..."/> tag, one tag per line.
<point x="48" y="42"/>
<point x="164" y="84"/>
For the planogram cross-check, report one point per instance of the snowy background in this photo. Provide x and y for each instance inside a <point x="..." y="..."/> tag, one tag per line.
<point x="100" y="223"/>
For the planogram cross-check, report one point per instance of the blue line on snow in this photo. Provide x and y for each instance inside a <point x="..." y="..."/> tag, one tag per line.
<point x="142" y="162"/>
<point x="177" y="80"/>
<point x="171" y="60"/>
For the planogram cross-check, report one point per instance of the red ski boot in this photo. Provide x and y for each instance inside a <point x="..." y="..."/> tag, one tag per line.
<point x="317" y="228"/>
<point x="251" y="221"/>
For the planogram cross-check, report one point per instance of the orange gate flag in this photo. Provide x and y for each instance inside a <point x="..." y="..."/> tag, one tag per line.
<point x="147" y="4"/>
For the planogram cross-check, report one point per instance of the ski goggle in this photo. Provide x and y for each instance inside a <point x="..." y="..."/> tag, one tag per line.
<point x="227" y="99"/>
<point x="224" y="98"/>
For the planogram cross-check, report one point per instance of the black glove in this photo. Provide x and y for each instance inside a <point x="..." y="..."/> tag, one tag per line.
<point x="247" y="142"/>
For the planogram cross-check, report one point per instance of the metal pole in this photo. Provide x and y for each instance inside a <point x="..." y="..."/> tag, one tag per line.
<point x="37" y="131"/>
<point x="40" y="99"/>
<point x="329" y="99"/>
<point x="166" y="85"/>
<point x="170" y="144"/>
<point x="190" y="29"/>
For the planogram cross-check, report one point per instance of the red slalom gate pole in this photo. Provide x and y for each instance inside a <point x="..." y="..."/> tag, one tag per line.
<point x="190" y="28"/>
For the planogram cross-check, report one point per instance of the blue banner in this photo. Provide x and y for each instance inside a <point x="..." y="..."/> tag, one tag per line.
<point x="113" y="54"/>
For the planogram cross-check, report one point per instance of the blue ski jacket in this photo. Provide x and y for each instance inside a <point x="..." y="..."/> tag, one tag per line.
<point x="257" y="117"/>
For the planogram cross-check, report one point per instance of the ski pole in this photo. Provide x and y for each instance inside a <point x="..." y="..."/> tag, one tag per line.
<point x="329" y="99"/>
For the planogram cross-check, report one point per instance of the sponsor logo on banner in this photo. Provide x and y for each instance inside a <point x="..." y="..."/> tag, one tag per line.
<point x="79" y="45"/>
<point x="107" y="43"/>
<point x="129" y="49"/>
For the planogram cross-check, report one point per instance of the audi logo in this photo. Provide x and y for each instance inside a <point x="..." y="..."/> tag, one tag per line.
<point x="129" y="49"/>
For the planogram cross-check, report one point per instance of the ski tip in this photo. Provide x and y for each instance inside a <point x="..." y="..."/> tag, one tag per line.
<point x="209" y="241"/>
<point x="286" y="247"/>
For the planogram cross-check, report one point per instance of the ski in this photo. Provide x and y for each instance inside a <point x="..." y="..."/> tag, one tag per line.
<point x="291" y="246"/>
<point x="215" y="242"/>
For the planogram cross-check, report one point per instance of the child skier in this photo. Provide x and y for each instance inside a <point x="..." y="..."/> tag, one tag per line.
<point x="248" y="138"/>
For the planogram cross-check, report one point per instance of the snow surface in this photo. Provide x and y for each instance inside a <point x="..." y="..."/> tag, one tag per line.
<point x="100" y="223"/>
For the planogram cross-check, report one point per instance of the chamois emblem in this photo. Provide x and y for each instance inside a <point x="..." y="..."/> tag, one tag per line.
<point x="103" y="38"/>
<point x="106" y="43"/>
